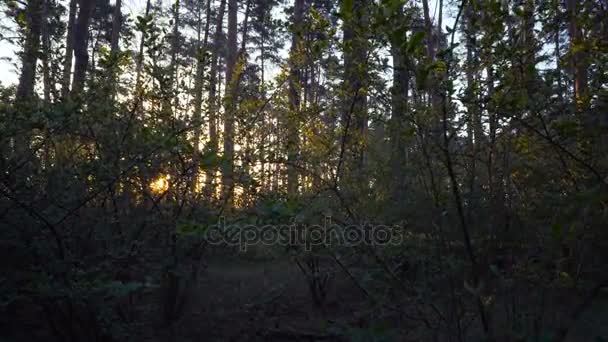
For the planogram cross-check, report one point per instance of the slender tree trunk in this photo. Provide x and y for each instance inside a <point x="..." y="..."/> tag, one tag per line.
<point x="432" y="82"/>
<point x="529" y="47"/>
<point x="578" y="59"/>
<point x="354" y="111"/>
<point x="46" y="54"/>
<point x="398" y="115"/>
<point x="474" y="127"/>
<point x="245" y="31"/>
<point x="213" y="91"/>
<point x="295" y="86"/>
<point x="173" y="67"/>
<point x="140" y="56"/>
<point x="81" y="39"/>
<point x="263" y="116"/>
<point x="116" y="26"/>
<point x="111" y="78"/>
<point x="558" y="64"/>
<point x="494" y="181"/>
<point x="69" y="50"/>
<point x="230" y="103"/>
<point x="198" y="95"/>
<point x="430" y="46"/>
<point x="27" y="79"/>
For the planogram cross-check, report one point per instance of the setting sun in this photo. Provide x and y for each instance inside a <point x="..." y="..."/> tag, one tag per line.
<point x="161" y="184"/>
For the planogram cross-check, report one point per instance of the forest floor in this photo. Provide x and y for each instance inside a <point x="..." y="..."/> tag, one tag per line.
<point x="238" y="299"/>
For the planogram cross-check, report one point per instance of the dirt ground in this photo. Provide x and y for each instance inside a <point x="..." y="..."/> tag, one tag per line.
<point x="237" y="299"/>
<point x="242" y="300"/>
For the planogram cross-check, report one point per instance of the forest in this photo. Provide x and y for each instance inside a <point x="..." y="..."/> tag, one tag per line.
<point x="304" y="170"/>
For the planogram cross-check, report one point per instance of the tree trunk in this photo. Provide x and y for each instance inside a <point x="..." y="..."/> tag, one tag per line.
<point x="578" y="59"/>
<point x="430" y="46"/>
<point x="243" y="50"/>
<point x="293" y="120"/>
<point x="140" y="56"/>
<point x="81" y="39"/>
<point x="46" y="54"/>
<point x="173" y="67"/>
<point x="198" y="96"/>
<point x="213" y="101"/>
<point x="474" y="126"/>
<point x="354" y="111"/>
<point x="69" y="51"/>
<point x="398" y="123"/>
<point x="116" y="25"/>
<point x="111" y="79"/>
<point x="432" y="81"/>
<point x="27" y="79"/>
<point x="230" y="103"/>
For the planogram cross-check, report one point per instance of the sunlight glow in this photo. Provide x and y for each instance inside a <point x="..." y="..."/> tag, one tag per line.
<point x="161" y="184"/>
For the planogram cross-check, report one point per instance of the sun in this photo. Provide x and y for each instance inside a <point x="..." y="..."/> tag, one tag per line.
<point x="161" y="184"/>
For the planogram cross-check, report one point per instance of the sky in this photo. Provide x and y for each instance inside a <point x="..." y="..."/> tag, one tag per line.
<point x="8" y="75"/>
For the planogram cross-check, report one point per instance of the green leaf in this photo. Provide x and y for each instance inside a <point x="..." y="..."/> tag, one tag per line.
<point x="415" y="41"/>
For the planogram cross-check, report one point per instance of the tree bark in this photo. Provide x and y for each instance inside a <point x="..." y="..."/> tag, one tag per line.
<point x="69" y="51"/>
<point x="354" y="111"/>
<point x="81" y="38"/>
<point x="116" y="26"/>
<point x="293" y="120"/>
<point x="230" y="103"/>
<point x="27" y="79"/>
<point x="140" y="56"/>
<point x="398" y="114"/>
<point x="167" y="104"/>
<point x="578" y="59"/>
<point x="198" y="96"/>
<point x="46" y="53"/>
<point x="213" y="101"/>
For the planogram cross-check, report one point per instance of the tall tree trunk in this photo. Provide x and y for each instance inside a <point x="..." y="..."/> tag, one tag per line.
<point x="529" y="48"/>
<point x="69" y="50"/>
<point x="111" y="79"/>
<point x="173" y="67"/>
<point x="578" y="59"/>
<point x="81" y="39"/>
<point x="140" y="55"/>
<point x="245" y="31"/>
<point x="558" y="63"/>
<point x="213" y="98"/>
<point x="430" y="46"/>
<point x="27" y="79"/>
<point x="264" y="137"/>
<point x="398" y="123"/>
<point x="354" y="111"/>
<point x="46" y="54"/>
<point x="198" y="95"/>
<point x="116" y="25"/>
<point x="432" y="81"/>
<point x="230" y="103"/>
<point x="474" y="126"/>
<point x="293" y="120"/>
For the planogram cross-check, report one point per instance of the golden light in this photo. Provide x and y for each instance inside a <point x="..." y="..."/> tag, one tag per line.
<point x="161" y="184"/>
<point x="201" y="181"/>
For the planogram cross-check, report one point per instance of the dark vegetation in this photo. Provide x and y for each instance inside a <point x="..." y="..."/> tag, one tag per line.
<point x="479" y="128"/>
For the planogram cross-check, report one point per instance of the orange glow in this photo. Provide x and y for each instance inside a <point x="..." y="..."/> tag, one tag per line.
<point x="161" y="184"/>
